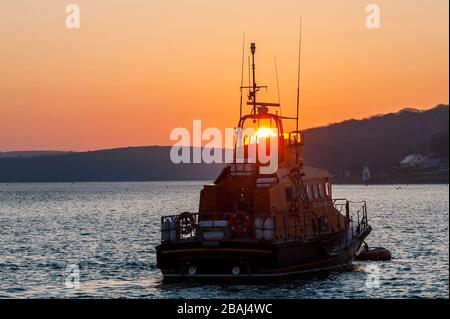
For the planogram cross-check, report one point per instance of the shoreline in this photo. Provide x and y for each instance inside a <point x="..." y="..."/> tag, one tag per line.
<point x="401" y="180"/>
<point x="334" y="182"/>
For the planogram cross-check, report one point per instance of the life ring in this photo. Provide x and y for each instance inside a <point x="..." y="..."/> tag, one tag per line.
<point x="185" y="223"/>
<point x="240" y="223"/>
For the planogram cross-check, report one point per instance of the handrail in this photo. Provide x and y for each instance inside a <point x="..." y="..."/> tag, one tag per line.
<point x="286" y="226"/>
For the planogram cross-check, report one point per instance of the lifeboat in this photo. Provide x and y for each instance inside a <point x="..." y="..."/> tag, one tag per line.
<point x="254" y="222"/>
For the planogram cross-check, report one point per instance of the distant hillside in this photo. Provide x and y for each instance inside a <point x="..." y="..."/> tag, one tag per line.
<point x="122" y="164"/>
<point x="30" y="153"/>
<point x="379" y="141"/>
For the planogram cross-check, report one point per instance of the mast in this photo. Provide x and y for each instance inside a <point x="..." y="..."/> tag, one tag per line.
<point x="253" y="93"/>
<point x="253" y="88"/>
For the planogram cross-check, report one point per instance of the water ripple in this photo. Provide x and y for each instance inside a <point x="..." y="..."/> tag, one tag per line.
<point x="109" y="230"/>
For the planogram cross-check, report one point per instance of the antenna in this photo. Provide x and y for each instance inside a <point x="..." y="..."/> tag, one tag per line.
<point x="278" y="85"/>
<point x="248" y="61"/>
<point x="298" y="86"/>
<point x="298" y="73"/>
<point x="242" y="74"/>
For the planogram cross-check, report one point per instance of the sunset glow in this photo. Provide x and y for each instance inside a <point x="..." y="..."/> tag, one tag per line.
<point x="137" y="69"/>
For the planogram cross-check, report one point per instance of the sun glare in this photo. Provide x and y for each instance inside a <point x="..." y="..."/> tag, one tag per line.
<point x="265" y="132"/>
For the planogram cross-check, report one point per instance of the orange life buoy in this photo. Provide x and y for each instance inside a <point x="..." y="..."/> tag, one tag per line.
<point x="185" y="223"/>
<point x="240" y="223"/>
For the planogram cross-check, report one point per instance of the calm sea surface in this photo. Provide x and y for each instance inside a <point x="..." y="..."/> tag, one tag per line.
<point x="110" y="230"/>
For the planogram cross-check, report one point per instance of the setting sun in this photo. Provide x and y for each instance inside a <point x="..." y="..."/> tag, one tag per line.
<point x="265" y="132"/>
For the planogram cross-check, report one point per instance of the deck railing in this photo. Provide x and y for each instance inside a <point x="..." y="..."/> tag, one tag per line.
<point x="355" y="212"/>
<point x="248" y="227"/>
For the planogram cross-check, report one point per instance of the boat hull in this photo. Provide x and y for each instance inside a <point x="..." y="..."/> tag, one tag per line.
<point x="258" y="260"/>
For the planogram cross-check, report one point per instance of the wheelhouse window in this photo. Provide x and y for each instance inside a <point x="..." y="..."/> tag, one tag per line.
<point x="309" y="191"/>
<point x="328" y="189"/>
<point x="316" y="191"/>
<point x="323" y="190"/>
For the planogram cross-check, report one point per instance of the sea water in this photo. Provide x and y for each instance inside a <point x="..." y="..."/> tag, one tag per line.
<point x="103" y="236"/>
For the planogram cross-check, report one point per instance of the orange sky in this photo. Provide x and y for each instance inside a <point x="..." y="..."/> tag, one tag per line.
<point x="137" y="68"/>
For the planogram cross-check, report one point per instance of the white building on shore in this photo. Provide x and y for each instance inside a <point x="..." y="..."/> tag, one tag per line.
<point x="414" y="161"/>
<point x="365" y="174"/>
